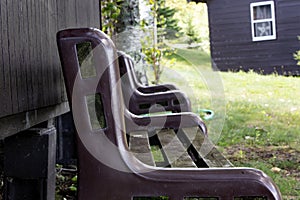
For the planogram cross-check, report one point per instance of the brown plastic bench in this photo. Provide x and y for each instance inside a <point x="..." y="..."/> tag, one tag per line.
<point x="142" y="100"/>
<point x="126" y="64"/>
<point x="115" y="161"/>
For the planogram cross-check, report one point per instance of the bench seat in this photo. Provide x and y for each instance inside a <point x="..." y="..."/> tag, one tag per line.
<point x="187" y="147"/>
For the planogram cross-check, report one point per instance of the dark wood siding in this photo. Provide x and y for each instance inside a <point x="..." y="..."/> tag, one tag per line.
<point x="30" y="74"/>
<point x="232" y="47"/>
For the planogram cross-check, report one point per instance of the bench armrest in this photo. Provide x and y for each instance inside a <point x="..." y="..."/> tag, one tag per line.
<point x="172" y="120"/>
<point x="156" y="88"/>
<point x="174" y="101"/>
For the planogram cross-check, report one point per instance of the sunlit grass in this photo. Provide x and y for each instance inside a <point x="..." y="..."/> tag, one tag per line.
<point x="263" y="106"/>
<point x="254" y="103"/>
<point x="259" y="111"/>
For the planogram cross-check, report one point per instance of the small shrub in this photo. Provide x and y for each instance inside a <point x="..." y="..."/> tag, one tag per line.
<point x="297" y="55"/>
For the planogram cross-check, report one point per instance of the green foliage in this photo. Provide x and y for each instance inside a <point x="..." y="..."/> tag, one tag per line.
<point x="157" y="154"/>
<point x="153" y="45"/>
<point x="193" y="21"/>
<point x="166" y="21"/>
<point x="297" y="55"/>
<point x="190" y="31"/>
<point x="110" y="11"/>
<point x="66" y="182"/>
<point x="153" y="57"/>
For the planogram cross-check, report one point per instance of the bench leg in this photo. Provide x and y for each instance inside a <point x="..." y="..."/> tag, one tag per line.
<point x="29" y="165"/>
<point x="66" y="140"/>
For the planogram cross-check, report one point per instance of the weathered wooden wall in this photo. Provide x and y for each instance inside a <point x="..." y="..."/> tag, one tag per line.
<point x="30" y="74"/>
<point x="232" y="47"/>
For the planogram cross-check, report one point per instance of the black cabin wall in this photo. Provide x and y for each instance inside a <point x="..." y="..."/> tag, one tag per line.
<point x="30" y="74"/>
<point x="232" y="47"/>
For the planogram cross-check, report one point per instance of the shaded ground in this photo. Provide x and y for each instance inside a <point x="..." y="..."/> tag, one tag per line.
<point x="66" y="183"/>
<point x="280" y="163"/>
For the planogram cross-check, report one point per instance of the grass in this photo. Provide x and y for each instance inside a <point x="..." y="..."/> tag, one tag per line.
<point x="257" y="117"/>
<point x="266" y="106"/>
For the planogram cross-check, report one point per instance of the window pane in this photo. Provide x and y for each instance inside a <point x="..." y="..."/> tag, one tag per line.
<point x="263" y="29"/>
<point x="262" y="12"/>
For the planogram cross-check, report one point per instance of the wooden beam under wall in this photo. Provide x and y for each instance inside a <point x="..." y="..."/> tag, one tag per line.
<point x="13" y="124"/>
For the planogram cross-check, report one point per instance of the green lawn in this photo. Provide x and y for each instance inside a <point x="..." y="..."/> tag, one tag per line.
<point x="257" y="118"/>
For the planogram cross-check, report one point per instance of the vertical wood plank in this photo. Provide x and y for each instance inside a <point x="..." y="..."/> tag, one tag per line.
<point x="70" y="13"/>
<point x="54" y="58"/>
<point x="39" y="57"/>
<point x="61" y="22"/>
<point x="60" y="19"/>
<point x="93" y="17"/>
<point x="30" y="68"/>
<point x="49" y="62"/>
<point x="62" y="10"/>
<point x="94" y="6"/>
<point x="4" y="79"/>
<point x="26" y="51"/>
<point x="17" y="54"/>
<point x="89" y="15"/>
<point x="80" y="15"/>
<point x="34" y="84"/>
<point x="43" y="44"/>
<point x="21" y="54"/>
<point x="6" y="98"/>
<point x="54" y="54"/>
<point x="3" y="86"/>
<point x="12" y="11"/>
<point x="32" y="52"/>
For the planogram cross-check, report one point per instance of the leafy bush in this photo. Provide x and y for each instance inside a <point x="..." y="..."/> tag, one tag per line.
<point x="154" y="31"/>
<point x="297" y="55"/>
<point x="110" y="11"/>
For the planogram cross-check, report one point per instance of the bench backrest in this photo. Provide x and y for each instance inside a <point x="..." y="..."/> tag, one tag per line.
<point x="140" y="99"/>
<point x="92" y="82"/>
<point x="126" y="70"/>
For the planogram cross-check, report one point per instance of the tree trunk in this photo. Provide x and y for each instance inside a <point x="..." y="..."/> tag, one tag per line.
<point x="128" y="35"/>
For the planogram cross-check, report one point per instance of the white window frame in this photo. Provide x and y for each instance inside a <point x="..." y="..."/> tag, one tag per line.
<point x="272" y="20"/>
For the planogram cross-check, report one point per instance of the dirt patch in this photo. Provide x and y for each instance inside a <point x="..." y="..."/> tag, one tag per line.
<point x="283" y="158"/>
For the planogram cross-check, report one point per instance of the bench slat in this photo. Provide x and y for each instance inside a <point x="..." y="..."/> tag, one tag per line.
<point x="140" y="147"/>
<point x="205" y="148"/>
<point x="174" y="150"/>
